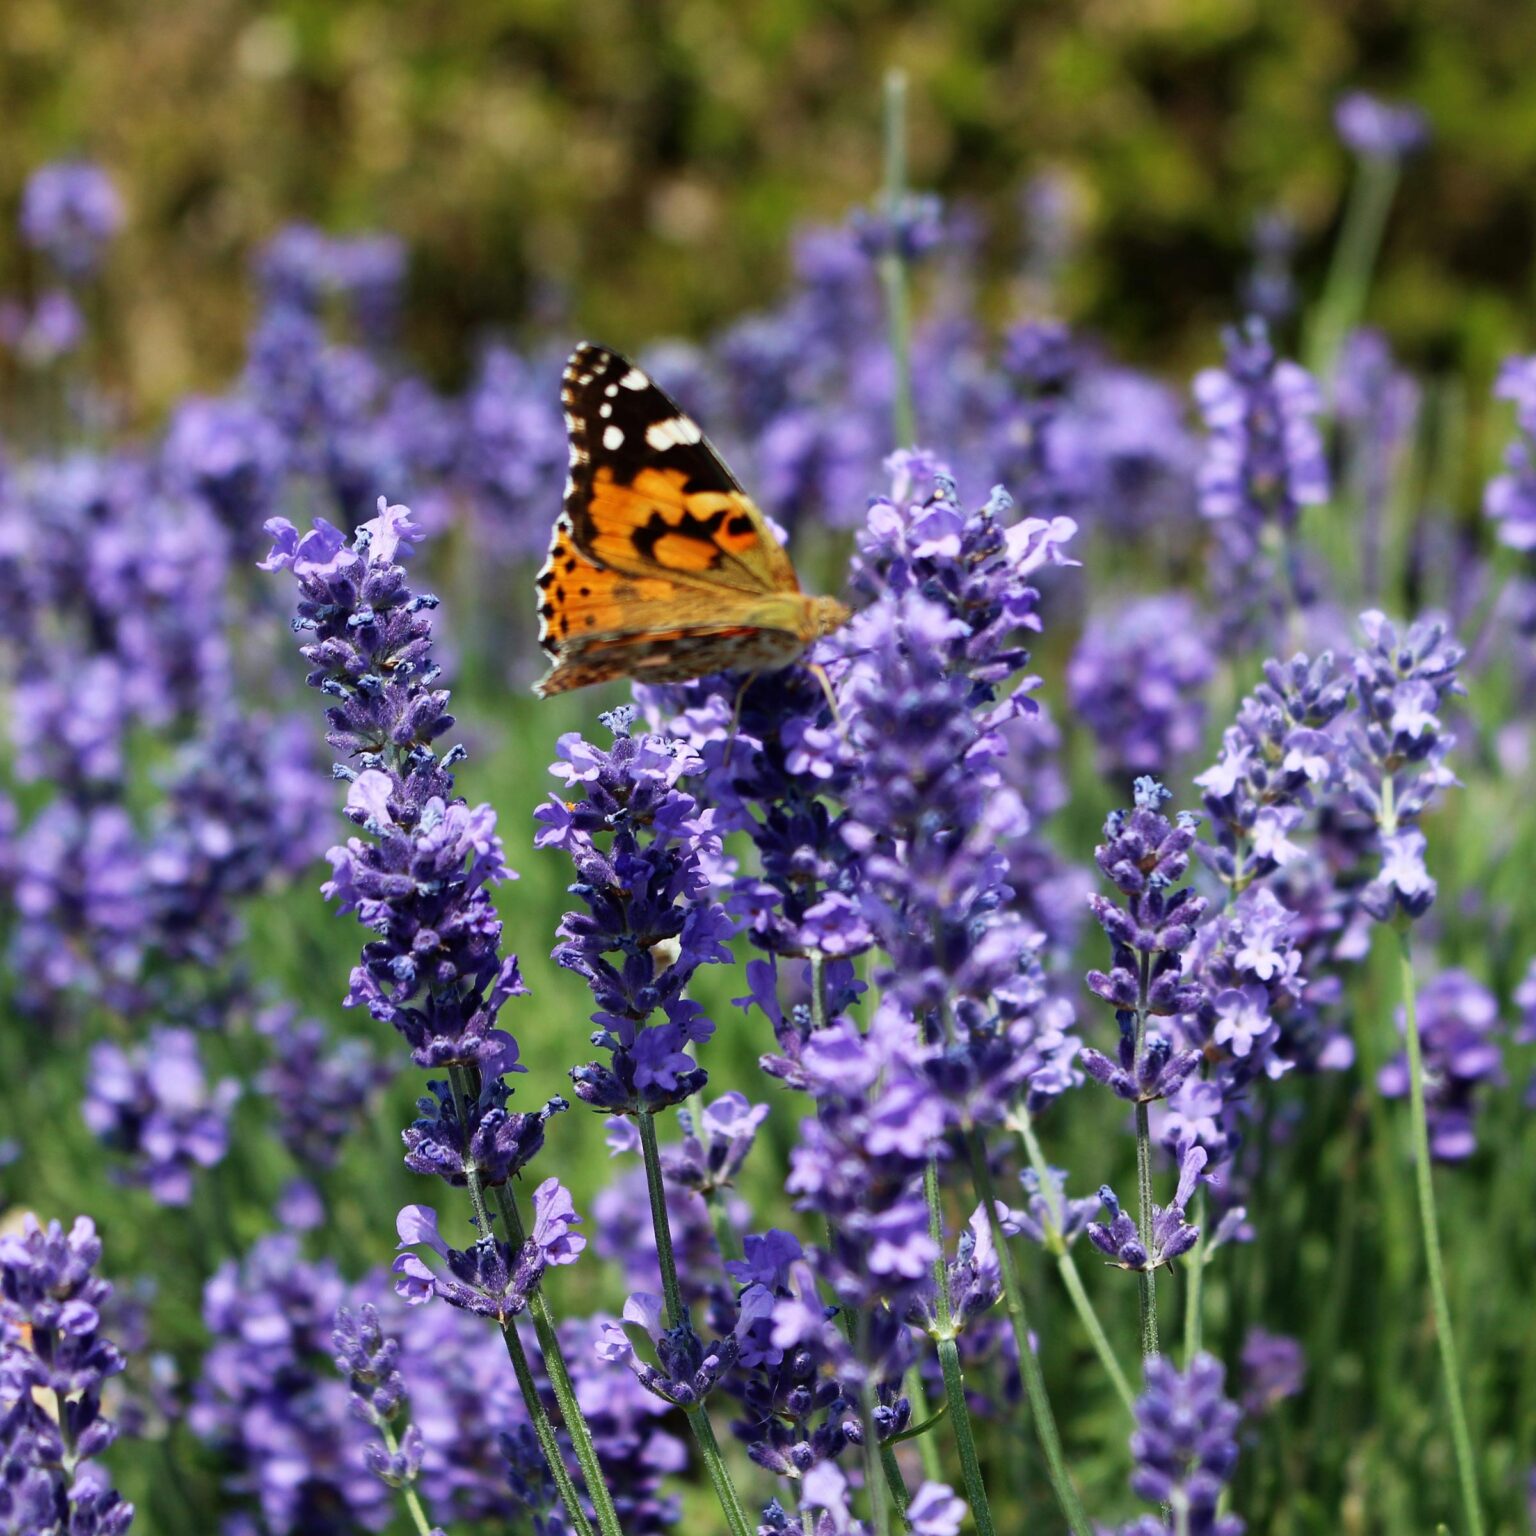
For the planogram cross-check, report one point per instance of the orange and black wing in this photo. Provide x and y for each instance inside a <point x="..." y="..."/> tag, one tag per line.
<point x="647" y="493"/>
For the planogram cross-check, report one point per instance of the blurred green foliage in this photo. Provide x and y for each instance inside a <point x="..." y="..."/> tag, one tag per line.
<point x="637" y="168"/>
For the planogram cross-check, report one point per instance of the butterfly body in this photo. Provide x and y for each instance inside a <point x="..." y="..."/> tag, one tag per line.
<point x="661" y="568"/>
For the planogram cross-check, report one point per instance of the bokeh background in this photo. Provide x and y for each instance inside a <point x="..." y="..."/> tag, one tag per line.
<point x="644" y="174"/>
<point x="638" y="169"/>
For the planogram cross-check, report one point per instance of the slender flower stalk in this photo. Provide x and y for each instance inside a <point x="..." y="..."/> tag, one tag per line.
<point x="679" y="1321"/>
<point x="1382" y="136"/>
<point x="1397" y="751"/>
<point x="1029" y="1366"/>
<point x="1194" y="1293"/>
<point x="1429" y="1221"/>
<point x="949" y="1364"/>
<point x="1053" y="1233"/>
<point x="893" y="261"/>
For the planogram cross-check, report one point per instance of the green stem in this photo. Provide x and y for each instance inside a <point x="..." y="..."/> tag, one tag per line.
<point x="560" y="1382"/>
<point x="1194" y="1294"/>
<point x="1429" y="1220"/>
<point x="1029" y="1366"/>
<point x="893" y="265"/>
<point x="544" y="1431"/>
<point x="678" y="1318"/>
<point x="818" y="990"/>
<point x="923" y="1420"/>
<point x="1146" y="1279"/>
<point x="949" y="1363"/>
<point x="1066" y="1265"/>
<point x="879" y="1485"/>
<point x="1354" y="263"/>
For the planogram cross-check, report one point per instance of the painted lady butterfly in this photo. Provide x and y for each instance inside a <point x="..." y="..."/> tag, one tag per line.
<point x="661" y="568"/>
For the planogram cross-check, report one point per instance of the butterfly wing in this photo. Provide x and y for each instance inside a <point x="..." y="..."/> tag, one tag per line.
<point x="596" y="624"/>
<point x="649" y="496"/>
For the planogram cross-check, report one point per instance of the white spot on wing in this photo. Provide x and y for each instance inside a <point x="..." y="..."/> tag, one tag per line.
<point x="679" y="431"/>
<point x="605" y="409"/>
<point x="611" y="391"/>
<point x="613" y="437"/>
<point x="634" y="379"/>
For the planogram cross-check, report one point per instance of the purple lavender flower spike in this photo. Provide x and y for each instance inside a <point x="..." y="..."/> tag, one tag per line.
<point x="1136" y="679"/>
<point x="706" y="1164"/>
<point x="368" y="1358"/>
<point x="489" y="1278"/>
<point x="1145" y="855"/>
<point x="54" y="1363"/>
<point x="268" y="1396"/>
<point x="421" y="878"/>
<point x="1458" y="1028"/>
<point x="70" y="211"/>
<point x="649" y="903"/>
<point x="675" y="1363"/>
<point x="1276" y="759"/>
<point x="1185" y="1447"/>
<point x="154" y="1103"/>
<point x="1379" y="130"/>
<point x="1171" y="1236"/>
<point x="1396" y="747"/>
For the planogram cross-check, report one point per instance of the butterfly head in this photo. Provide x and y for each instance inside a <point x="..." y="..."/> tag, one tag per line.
<point x="826" y="614"/>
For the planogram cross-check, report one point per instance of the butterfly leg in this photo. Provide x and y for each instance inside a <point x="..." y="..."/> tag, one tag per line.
<point x="820" y="673"/>
<point x="730" y="740"/>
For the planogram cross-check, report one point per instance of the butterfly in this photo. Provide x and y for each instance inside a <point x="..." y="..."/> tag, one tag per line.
<point x="661" y="568"/>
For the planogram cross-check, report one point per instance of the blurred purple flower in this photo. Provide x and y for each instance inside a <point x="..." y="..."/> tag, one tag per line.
<point x="154" y="1104"/>
<point x="368" y="1357"/>
<point x="1185" y="1447"/>
<point x="1376" y="404"/>
<point x="1511" y="497"/>
<point x="70" y="211"/>
<point x="52" y="328"/>
<point x="1269" y="288"/>
<point x="1264" y="461"/>
<point x="1274" y="1368"/>
<point x="1136" y="681"/>
<point x="1458" y="1027"/>
<point x="319" y="1089"/>
<point x="231" y="455"/>
<point x="1377" y="129"/>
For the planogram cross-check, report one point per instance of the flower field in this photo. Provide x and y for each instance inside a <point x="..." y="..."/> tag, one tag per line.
<point x="997" y="991"/>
